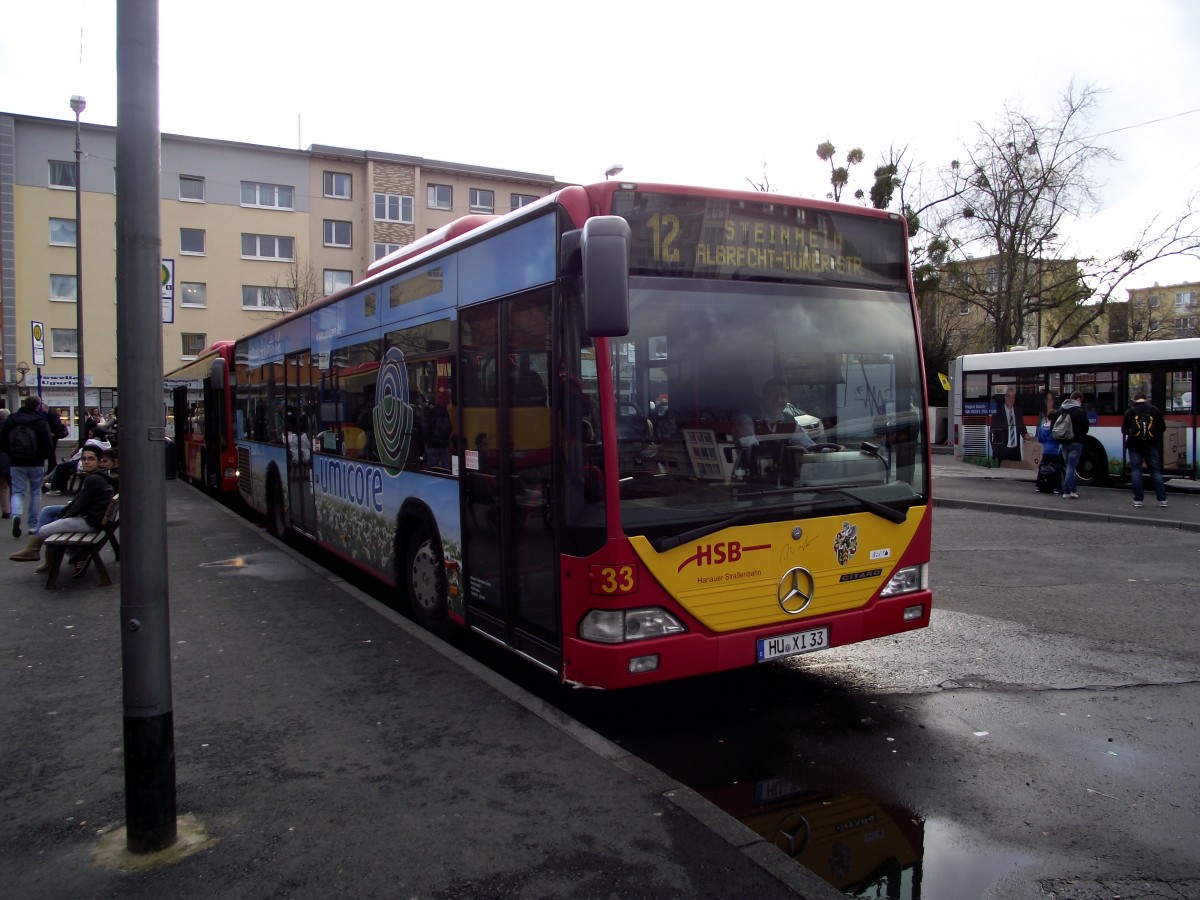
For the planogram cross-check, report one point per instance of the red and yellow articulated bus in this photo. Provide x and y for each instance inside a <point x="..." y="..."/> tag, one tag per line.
<point x="631" y="432"/>
<point x="200" y="419"/>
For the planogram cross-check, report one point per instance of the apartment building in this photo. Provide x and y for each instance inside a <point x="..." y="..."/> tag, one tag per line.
<point x="248" y="232"/>
<point x="1157" y="313"/>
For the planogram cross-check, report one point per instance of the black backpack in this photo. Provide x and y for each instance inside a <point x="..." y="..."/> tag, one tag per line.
<point x="22" y="444"/>
<point x="1143" y="428"/>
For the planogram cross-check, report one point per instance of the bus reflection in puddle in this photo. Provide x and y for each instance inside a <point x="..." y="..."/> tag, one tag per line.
<point x="858" y="845"/>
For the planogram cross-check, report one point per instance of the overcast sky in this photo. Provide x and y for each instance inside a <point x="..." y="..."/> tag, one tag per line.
<point x="685" y="92"/>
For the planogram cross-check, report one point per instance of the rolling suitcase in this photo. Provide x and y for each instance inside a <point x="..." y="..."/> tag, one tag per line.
<point x="1049" y="475"/>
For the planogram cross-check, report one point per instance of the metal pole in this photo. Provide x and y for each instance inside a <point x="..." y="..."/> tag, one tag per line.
<point x="145" y="628"/>
<point x="78" y="104"/>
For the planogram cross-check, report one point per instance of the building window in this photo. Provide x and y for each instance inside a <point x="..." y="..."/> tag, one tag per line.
<point x="964" y="307"/>
<point x="483" y="201"/>
<point x="516" y="201"/>
<point x="263" y="297"/>
<point x="338" y="184"/>
<point x="62" y="232"/>
<point x="336" y="279"/>
<point x="193" y="293"/>
<point x="272" y="196"/>
<point x="63" y="288"/>
<point x="439" y="196"/>
<point x="62" y="174"/>
<point x="1185" y="298"/>
<point x="191" y="187"/>
<point x="268" y="246"/>
<point x="1152" y="301"/>
<point x="1154" y="326"/>
<point x="394" y="208"/>
<point x="337" y="234"/>
<point x="191" y="240"/>
<point x="1183" y="323"/>
<point x="382" y="250"/>
<point x="63" y="343"/>
<point x="193" y="345"/>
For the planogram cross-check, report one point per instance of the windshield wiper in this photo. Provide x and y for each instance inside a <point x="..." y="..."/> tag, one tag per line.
<point x="884" y="512"/>
<point x="670" y="542"/>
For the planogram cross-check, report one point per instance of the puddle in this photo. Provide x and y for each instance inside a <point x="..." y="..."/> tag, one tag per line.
<point x="865" y="847"/>
<point x="259" y="565"/>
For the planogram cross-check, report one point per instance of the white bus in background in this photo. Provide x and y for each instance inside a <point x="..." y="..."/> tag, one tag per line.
<point x="1108" y="375"/>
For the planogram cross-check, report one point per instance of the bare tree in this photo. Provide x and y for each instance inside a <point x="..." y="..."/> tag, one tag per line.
<point x="1021" y="184"/>
<point x="295" y="287"/>
<point x="763" y="186"/>
<point x="1104" y="277"/>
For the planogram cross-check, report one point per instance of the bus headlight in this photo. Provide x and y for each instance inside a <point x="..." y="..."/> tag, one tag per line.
<point x="907" y="581"/>
<point x="615" y="626"/>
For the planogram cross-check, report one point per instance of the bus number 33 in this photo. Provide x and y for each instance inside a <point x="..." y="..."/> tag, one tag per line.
<point x="613" y="580"/>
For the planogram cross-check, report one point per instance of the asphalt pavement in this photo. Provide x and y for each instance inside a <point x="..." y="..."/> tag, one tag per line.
<point x="325" y="746"/>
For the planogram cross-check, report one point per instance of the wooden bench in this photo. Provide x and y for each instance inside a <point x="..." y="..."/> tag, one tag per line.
<point x="87" y="544"/>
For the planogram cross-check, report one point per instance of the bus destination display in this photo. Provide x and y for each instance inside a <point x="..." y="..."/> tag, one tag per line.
<point x="691" y="236"/>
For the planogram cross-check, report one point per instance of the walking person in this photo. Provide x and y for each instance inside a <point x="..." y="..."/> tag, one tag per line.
<point x="25" y="437"/>
<point x="1143" y="428"/>
<point x="1050" y="468"/>
<point x="58" y="431"/>
<point x="5" y="479"/>
<point x="1070" y="435"/>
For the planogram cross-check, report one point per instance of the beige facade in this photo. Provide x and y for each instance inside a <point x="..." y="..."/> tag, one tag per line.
<point x="1159" y="313"/>
<point x="250" y="230"/>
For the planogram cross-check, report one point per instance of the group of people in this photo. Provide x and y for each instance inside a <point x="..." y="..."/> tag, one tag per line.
<point x="1142" y="428"/>
<point x="27" y="442"/>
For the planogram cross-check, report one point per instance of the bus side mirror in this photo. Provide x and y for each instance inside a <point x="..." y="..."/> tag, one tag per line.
<point x="217" y="374"/>
<point x="605" y="250"/>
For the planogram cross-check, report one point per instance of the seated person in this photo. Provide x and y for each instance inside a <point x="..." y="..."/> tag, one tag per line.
<point x="60" y="475"/>
<point x="84" y="513"/>
<point x="773" y="429"/>
<point x="109" y="466"/>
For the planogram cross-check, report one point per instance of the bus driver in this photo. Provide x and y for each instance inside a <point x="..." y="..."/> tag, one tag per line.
<point x="774" y="434"/>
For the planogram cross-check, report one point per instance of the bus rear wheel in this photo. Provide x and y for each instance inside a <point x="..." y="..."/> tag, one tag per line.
<point x="1093" y="466"/>
<point x="426" y="583"/>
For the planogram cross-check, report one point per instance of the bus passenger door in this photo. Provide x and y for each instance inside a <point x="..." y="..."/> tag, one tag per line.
<point x="297" y="423"/>
<point x="509" y="552"/>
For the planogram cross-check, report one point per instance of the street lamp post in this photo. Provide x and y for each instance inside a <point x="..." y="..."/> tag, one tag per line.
<point x="78" y="105"/>
<point x="613" y="170"/>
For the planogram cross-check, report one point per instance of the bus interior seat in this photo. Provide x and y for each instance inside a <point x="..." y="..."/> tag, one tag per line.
<point x="354" y="439"/>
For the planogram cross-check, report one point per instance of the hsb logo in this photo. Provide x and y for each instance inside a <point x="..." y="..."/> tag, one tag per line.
<point x="718" y="553"/>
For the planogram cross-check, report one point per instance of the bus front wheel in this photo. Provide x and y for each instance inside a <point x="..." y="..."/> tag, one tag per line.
<point x="426" y="582"/>
<point x="276" y="515"/>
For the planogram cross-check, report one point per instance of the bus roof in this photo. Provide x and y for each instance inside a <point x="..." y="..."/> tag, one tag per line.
<point x="1098" y="354"/>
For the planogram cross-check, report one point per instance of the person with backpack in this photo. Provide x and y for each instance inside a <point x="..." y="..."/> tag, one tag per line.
<point x="58" y="431"/>
<point x="5" y="480"/>
<point x="1050" y="467"/>
<point x="25" y="437"/>
<point x="1143" y="429"/>
<point x="1069" y="428"/>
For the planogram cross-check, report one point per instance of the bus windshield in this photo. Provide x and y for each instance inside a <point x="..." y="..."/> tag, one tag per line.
<point x="744" y="399"/>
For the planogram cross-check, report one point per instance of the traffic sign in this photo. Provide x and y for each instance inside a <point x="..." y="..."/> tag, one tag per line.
<point x="39" y="343"/>
<point x="168" y="291"/>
